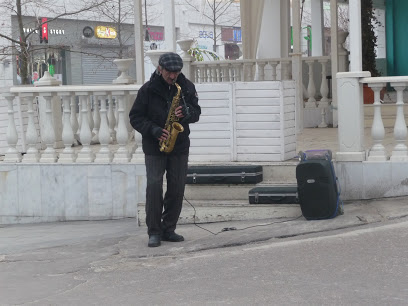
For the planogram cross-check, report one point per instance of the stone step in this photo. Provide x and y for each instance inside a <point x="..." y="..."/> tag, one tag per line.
<point x="222" y="211"/>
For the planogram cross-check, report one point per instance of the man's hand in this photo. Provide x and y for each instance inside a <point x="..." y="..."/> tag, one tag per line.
<point x="179" y="112"/>
<point x="164" y="135"/>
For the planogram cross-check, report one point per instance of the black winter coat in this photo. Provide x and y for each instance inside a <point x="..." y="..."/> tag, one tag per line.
<point x="149" y="112"/>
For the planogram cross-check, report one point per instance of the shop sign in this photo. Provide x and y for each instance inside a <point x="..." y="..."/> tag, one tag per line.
<point x="205" y="34"/>
<point x="105" y="32"/>
<point x="44" y="30"/>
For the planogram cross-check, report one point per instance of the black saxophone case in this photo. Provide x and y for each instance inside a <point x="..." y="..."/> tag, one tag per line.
<point x="318" y="194"/>
<point x="224" y="175"/>
<point x="273" y="195"/>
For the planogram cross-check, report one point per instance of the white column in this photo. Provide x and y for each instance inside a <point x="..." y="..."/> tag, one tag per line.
<point x="111" y="118"/>
<point x="12" y="154"/>
<point x="74" y="119"/>
<point x="96" y="119"/>
<point x="311" y="88"/>
<point x="400" y="152"/>
<point x="122" y="154"/>
<point x="351" y="116"/>
<point x="68" y="154"/>
<point x="32" y="155"/>
<point x="139" y="50"/>
<point x="48" y="132"/>
<point x="334" y="57"/>
<point x="169" y="25"/>
<point x="104" y="155"/>
<point x="356" y="63"/>
<point x="297" y="64"/>
<point x="85" y="155"/>
<point x="317" y="27"/>
<point x="377" y="151"/>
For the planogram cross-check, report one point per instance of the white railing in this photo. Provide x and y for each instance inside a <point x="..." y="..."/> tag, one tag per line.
<point x="378" y="151"/>
<point x="242" y="70"/>
<point x="271" y="69"/>
<point x="102" y="119"/>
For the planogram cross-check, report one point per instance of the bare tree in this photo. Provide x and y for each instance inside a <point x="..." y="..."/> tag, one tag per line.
<point x="23" y="46"/>
<point x="217" y="12"/>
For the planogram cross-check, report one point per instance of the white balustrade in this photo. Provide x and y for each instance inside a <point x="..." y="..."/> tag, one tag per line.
<point x="111" y="119"/>
<point x="104" y="155"/>
<point x="101" y="122"/>
<point x="32" y="155"/>
<point x="96" y="120"/>
<point x="377" y="152"/>
<point x="400" y="152"/>
<point x="74" y="120"/>
<point x="68" y="155"/>
<point x="48" y="133"/>
<point x="311" y="88"/>
<point x="85" y="155"/>
<point x="324" y="87"/>
<point x="12" y="155"/>
<point x="122" y="154"/>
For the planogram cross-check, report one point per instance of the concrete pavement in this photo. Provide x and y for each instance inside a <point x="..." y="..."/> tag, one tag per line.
<point x="72" y="263"/>
<point x="130" y="240"/>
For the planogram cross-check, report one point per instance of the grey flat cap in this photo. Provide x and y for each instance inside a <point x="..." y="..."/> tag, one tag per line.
<point x="171" y="62"/>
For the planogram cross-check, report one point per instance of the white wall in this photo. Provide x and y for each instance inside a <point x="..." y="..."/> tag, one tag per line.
<point x="48" y="193"/>
<point x="241" y="121"/>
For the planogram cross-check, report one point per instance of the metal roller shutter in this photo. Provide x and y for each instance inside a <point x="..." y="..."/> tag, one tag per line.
<point x="98" y="66"/>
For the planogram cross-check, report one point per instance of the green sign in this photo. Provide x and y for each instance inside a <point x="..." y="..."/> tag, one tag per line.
<point x="51" y="70"/>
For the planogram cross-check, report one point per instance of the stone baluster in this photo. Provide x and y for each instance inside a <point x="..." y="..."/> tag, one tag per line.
<point x="137" y="155"/>
<point x="12" y="154"/>
<point x="201" y="78"/>
<point x="104" y="155"/>
<point x="261" y="71"/>
<point x="111" y="119"/>
<point x="74" y="120"/>
<point x="324" y="88"/>
<point x="68" y="155"/>
<point x="400" y="152"/>
<point x="248" y="71"/>
<point x="224" y="72"/>
<point x="32" y="155"/>
<point x="96" y="120"/>
<point x="285" y="70"/>
<point x="377" y="152"/>
<point x="311" y="88"/>
<point x="122" y="154"/>
<point x="212" y="71"/>
<point x="47" y="133"/>
<point x="85" y="155"/>
<point x="79" y="115"/>
<point x="89" y="112"/>
<point x="236" y="69"/>
<point x="273" y="65"/>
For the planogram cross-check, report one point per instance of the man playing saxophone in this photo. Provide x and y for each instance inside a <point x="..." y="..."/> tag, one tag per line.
<point x="165" y="105"/>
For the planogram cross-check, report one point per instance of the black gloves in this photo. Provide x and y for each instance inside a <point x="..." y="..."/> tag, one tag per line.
<point x="186" y="112"/>
<point x="157" y="131"/>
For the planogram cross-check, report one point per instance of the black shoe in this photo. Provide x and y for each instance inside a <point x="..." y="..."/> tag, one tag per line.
<point x="154" y="241"/>
<point x="172" y="236"/>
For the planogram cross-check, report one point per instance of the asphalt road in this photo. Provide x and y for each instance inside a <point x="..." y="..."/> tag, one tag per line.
<point x="366" y="265"/>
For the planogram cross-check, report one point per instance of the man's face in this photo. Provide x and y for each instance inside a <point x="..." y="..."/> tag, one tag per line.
<point x="169" y="77"/>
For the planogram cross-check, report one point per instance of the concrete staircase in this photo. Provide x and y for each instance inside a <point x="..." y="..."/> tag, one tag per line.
<point x="216" y="203"/>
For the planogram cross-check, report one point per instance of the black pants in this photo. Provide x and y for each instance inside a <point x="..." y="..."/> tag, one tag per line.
<point x="162" y="214"/>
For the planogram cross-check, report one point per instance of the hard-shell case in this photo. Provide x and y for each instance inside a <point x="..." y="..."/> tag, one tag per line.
<point x="273" y="195"/>
<point x="224" y="174"/>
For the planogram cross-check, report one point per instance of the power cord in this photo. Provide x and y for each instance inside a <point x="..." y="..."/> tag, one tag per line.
<point x="226" y="229"/>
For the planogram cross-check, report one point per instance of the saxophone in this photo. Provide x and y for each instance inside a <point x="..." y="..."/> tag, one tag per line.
<point x="172" y="124"/>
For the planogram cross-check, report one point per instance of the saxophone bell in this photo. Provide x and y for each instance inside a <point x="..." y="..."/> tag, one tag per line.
<point x="168" y="145"/>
